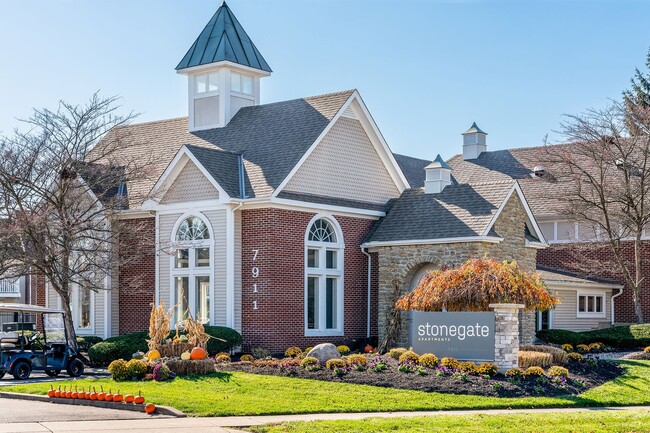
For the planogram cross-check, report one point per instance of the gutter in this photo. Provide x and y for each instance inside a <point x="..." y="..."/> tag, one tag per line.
<point x="611" y="305"/>
<point x="363" y="251"/>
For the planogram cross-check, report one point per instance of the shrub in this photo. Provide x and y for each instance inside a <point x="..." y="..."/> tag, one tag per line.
<point x="105" y="352"/>
<point x="575" y="357"/>
<point x="247" y="358"/>
<point x="582" y="348"/>
<point x="261" y="353"/>
<point x="556" y="371"/>
<point x="629" y="336"/>
<point x="343" y="350"/>
<point x="222" y="357"/>
<point x="85" y="343"/>
<point x="596" y="347"/>
<point x="428" y="360"/>
<point x="534" y="359"/>
<point x="307" y="350"/>
<point x="232" y="339"/>
<point x="409" y="355"/>
<point x="468" y="367"/>
<point x="567" y="348"/>
<point x="646" y="350"/>
<point x="396" y="352"/>
<point x="357" y="360"/>
<point x="292" y="352"/>
<point x="534" y="371"/>
<point x="487" y="368"/>
<point x="516" y="373"/>
<point x="118" y="370"/>
<point x="187" y="367"/>
<point x="136" y="368"/>
<point x="559" y="355"/>
<point x="309" y="361"/>
<point x="335" y="363"/>
<point x="450" y="363"/>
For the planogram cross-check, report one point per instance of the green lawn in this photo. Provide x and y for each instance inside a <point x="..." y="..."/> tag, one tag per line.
<point x="249" y="394"/>
<point x="593" y="421"/>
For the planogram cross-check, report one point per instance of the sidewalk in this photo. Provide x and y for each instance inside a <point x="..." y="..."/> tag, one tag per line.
<point x="230" y="424"/>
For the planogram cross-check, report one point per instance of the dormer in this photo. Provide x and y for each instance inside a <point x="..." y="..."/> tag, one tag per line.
<point x="474" y="142"/>
<point x="223" y="69"/>
<point x="438" y="176"/>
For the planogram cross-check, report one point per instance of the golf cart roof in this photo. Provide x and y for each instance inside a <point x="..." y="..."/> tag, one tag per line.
<point x="26" y="308"/>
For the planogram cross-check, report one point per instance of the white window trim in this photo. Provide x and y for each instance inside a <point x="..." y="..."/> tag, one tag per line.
<point x="240" y="92"/>
<point x="192" y="272"/>
<point x="322" y="273"/>
<point x="75" y="306"/>
<point x="588" y="315"/>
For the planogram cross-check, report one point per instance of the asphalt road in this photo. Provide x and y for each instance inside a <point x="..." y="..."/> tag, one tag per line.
<point x="25" y="411"/>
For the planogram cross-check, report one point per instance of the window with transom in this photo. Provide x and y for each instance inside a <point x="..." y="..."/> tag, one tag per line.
<point x="192" y="270"/>
<point x="323" y="278"/>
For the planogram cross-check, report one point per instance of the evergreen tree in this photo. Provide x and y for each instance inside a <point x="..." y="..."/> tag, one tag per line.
<point x="638" y="98"/>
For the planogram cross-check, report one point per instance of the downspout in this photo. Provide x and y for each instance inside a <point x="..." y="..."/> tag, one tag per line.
<point x="620" y="292"/>
<point x="369" y="285"/>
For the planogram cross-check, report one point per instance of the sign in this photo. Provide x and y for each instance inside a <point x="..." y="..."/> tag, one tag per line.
<point x="464" y="336"/>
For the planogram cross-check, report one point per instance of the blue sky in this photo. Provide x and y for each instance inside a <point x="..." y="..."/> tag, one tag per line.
<point x="426" y="69"/>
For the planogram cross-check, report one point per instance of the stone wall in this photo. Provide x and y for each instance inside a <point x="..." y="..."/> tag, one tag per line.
<point x="398" y="264"/>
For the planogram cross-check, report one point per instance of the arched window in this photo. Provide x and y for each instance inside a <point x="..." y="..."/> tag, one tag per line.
<point x="323" y="278"/>
<point x="192" y="270"/>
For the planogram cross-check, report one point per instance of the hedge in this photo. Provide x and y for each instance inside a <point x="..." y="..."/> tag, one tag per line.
<point x="631" y="336"/>
<point x="124" y="346"/>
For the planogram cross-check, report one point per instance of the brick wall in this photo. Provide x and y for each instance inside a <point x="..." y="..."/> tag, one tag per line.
<point x="598" y="259"/>
<point x="137" y="277"/>
<point x="278" y="322"/>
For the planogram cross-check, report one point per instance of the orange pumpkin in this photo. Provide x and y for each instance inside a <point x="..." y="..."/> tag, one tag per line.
<point x="198" y="353"/>
<point x="93" y="395"/>
<point x="368" y="348"/>
<point x="51" y="392"/>
<point x="74" y="394"/>
<point x="109" y="395"/>
<point x="150" y="408"/>
<point x="81" y="395"/>
<point x="139" y="399"/>
<point x="101" y="395"/>
<point x="88" y="394"/>
<point x="129" y="398"/>
<point x="68" y="394"/>
<point x="117" y="397"/>
<point x="57" y="393"/>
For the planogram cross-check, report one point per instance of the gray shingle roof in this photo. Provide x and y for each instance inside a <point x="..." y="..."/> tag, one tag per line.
<point x="413" y="169"/>
<point x="549" y="274"/>
<point x="223" y="38"/>
<point x="333" y="201"/>
<point x="223" y="166"/>
<point x="458" y="211"/>
<point x="272" y="138"/>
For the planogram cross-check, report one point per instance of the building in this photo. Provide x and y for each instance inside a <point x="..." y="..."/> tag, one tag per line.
<point x="294" y="223"/>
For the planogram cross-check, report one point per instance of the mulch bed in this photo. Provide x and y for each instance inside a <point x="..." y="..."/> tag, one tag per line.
<point x="582" y="377"/>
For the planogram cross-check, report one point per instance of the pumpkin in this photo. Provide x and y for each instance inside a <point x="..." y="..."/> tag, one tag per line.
<point x="150" y="408"/>
<point x="368" y="348"/>
<point x="51" y="392"/>
<point x="101" y="395"/>
<point x="185" y="356"/>
<point x="139" y="399"/>
<point x="81" y="395"/>
<point x="129" y="398"/>
<point x="109" y="395"/>
<point x="152" y="355"/>
<point x="68" y="393"/>
<point x="74" y="393"/>
<point x="93" y="395"/>
<point x="57" y="393"/>
<point x="117" y="397"/>
<point x="88" y="394"/>
<point x="198" y="353"/>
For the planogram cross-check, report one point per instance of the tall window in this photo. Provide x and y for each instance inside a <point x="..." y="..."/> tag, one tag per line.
<point x="82" y="305"/>
<point x="324" y="279"/>
<point x="191" y="270"/>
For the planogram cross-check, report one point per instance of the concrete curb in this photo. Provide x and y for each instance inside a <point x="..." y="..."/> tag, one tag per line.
<point x="162" y="410"/>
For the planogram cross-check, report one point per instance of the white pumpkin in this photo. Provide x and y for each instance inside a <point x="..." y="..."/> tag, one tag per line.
<point x="185" y="356"/>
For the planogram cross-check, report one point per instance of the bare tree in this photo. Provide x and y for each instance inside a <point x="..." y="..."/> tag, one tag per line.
<point x="60" y="197"/>
<point x="603" y="173"/>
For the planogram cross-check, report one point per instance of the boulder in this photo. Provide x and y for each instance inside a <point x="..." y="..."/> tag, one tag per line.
<point x="324" y="352"/>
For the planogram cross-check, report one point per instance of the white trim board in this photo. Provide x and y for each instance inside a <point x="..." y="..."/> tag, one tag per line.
<point x="488" y="239"/>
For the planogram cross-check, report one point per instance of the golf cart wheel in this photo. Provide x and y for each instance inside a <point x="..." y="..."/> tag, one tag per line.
<point x="52" y="373"/>
<point x="75" y="368"/>
<point x="22" y="370"/>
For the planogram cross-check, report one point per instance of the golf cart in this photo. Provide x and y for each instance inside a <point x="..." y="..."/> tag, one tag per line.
<point x="23" y="350"/>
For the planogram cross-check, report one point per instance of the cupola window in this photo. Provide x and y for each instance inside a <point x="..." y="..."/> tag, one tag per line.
<point x="206" y="83"/>
<point x="241" y="83"/>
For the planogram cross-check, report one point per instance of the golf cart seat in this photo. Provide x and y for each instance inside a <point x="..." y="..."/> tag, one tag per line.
<point x="9" y="340"/>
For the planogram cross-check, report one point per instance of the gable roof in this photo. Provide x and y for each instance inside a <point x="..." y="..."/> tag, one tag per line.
<point x="223" y="39"/>
<point x="565" y="277"/>
<point x="413" y="169"/>
<point x="271" y="139"/>
<point x="459" y="211"/>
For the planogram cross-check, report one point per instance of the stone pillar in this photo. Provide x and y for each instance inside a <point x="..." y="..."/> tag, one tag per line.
<point x="527" y="327"/>
<point x="506" y="338"/>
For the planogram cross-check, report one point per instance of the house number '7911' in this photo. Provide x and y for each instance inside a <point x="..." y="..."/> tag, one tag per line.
<point x="255" y="272"/>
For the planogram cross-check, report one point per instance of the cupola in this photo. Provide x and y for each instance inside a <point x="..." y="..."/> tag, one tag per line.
<point x="223" y="69"/>
<point x="438" y="176"/>
<point x="474" y="142"/>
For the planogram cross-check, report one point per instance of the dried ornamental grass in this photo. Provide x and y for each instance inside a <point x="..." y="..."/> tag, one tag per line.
<point x="475" y="285"/>
<point x="559" y="355"/>
<point x="534" y="359"/>
<point x="159" y="325"/>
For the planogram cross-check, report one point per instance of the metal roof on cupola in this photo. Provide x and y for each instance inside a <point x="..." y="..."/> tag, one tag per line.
<point x="474" y="129"/>
<point x="438" y="163"/>
<point x="223" y="39"/>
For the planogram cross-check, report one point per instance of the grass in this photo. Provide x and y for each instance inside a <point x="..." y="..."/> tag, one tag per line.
<point x="223" y="394"/>
<point x="593" y="421"/>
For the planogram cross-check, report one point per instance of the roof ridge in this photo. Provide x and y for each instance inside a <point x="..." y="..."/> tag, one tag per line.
<point x="213" y="147"/>
<point x="149" y="122"/>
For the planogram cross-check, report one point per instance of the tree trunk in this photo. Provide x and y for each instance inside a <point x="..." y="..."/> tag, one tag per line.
<point x="71" y="335"/>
